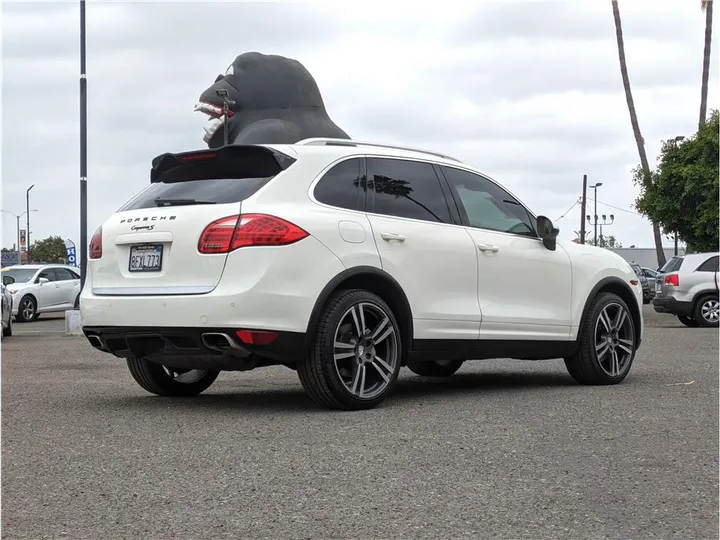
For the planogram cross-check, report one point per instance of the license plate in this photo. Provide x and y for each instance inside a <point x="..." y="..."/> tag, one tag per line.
<point x="145" y="258"/>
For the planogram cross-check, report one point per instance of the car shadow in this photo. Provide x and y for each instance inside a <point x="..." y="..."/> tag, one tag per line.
<point x="409" y="390"/>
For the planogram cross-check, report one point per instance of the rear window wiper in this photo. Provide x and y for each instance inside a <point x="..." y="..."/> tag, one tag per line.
<point x="179" y="202"/>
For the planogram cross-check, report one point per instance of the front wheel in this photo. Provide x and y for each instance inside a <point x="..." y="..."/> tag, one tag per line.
<point x="356" y="354"/>
<point x="688" y="321"/>
<point x="27" y="309"/>
<point x="170" y="382"/>
<point x="707" y="311"/>
<point x="435" y="368"/>
<point x="606" y="343"/>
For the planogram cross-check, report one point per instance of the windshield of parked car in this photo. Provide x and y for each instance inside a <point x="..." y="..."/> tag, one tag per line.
<point x="20" y="275"/>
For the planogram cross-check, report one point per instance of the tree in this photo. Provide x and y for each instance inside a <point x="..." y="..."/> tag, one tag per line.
<point x="639" y="141"/>
<point x="49" y="250"/>
<point x="707" y="6"/>
<point x="609" y="242"/>
<point x="683" y="196"/>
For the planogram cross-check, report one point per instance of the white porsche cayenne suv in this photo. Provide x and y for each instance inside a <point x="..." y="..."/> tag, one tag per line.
<point x="345" y="261"/>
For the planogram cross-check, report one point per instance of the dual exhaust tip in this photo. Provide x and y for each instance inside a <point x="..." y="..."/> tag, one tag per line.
<point x="214" y="341"/>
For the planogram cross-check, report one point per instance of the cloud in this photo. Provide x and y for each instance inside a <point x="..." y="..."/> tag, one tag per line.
<point x="529" y="92"/>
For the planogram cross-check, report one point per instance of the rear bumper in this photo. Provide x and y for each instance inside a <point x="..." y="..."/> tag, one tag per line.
<point x="668" y="304"/>
<point x="218" y="348"/>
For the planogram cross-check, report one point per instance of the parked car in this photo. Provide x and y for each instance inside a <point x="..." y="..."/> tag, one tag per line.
<point x="7" y="303"/>
<point x="651" y="276"/>
<point x="648" y="289"/>
<point x="345" y="261"/>
<point x="689" y="289"/>
<point x="38" y="289"/>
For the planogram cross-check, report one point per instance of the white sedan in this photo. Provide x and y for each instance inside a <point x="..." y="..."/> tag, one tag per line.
<point x="40" y="289"/>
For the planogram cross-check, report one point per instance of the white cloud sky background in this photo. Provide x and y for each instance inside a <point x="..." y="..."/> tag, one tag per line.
<point x="529" y="92"/>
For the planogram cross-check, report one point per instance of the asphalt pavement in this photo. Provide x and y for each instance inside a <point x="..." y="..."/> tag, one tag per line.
<point x="503" y="449"/>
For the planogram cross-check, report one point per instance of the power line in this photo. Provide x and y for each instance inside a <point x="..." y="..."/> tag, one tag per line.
<point x="568" y="210"/>
<point x="617" y="208"/>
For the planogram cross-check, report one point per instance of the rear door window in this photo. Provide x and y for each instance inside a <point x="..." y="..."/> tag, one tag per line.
<point x="406" y="189"/>
<point x="343" y="186"/>
<point x="711" y="265"/>
<point x="63" y="274"/>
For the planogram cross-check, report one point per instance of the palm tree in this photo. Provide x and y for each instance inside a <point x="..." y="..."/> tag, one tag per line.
<point x="647" y="176"/>
<point x="707" y="6"/>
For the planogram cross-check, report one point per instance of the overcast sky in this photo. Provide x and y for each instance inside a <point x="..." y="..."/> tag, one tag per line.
<point x="528" y="92"/>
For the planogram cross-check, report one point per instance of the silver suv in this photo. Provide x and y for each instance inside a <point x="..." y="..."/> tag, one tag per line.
<point x="687" y="287"/>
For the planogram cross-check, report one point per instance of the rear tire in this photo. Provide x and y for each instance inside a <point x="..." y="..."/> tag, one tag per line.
<point x="706" y="311"/>
<point x="435" y="368"/>
<point x="356" y="354"/>
<point x="183" y="383"/>
<point x="688" y="321"/>
<point x="606" y="343"/>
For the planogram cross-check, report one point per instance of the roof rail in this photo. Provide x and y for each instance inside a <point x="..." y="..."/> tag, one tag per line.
<point x="321" y="141"/>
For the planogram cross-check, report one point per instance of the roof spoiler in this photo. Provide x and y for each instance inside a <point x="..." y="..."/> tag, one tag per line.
<point x="231" y="161"/>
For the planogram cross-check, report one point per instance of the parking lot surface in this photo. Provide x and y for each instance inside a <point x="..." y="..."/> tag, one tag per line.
<point x="503" y="449"/>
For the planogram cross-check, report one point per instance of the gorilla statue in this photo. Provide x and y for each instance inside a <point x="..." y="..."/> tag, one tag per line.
<point x="272" y="99"/>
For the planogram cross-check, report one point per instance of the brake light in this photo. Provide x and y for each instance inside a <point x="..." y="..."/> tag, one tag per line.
<point x="197" y="157"/>
<point x="95" y="247"/>
<point x="233" y="232"/>
<point x="672" y="279"/>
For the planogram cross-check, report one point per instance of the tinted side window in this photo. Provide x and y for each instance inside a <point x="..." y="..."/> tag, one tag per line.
<point x="711" y="265"/>
<point x="342" y="186"/>
<point x="63" y="274"/>
<point x="486" y="205"/>
<point x="407" y="189"/>
<point x="47" y="274"/>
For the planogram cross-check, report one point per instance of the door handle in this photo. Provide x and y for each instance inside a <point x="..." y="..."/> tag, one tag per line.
<point x="488" y="247"/>
<point x="392" y="236"/>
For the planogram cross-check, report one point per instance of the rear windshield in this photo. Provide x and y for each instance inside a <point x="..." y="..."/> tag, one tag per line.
<point x="673" y="265"/>
<point x="218" y="191"/>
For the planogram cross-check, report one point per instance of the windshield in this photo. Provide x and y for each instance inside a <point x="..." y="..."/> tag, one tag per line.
<point x="20" y="275"/>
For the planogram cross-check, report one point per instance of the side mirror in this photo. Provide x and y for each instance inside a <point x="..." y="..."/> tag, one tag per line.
<point x="8" y="280"/>
<point x="547" y="232"/>
<point x="43" y="280"/>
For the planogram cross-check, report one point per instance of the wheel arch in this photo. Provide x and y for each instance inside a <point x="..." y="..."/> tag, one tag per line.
<point x="371" y="279"/>
<point x="617" y="286"/>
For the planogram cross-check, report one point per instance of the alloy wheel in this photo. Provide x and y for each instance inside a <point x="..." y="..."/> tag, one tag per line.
<point x="614" y="339"/>
<point x="366" y="350"/>
<point x="27" y="309"/>
<point x="709" y="310"/>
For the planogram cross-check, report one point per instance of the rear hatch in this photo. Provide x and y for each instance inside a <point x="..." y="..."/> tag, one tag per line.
<point x="151" y="246"/>
<point x="667" y="277"/>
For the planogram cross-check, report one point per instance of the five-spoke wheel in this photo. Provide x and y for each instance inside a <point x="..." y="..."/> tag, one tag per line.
<point x="606" y="343"/>
<point x="356" y="355"/>
<point x="27" y="309"/>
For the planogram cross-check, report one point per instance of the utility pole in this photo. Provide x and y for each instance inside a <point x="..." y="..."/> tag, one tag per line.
<point x="582" y="209"/>
<point x="83" y="151"/>
<point x="595" y="221"/>
<point x="27" y="234"/>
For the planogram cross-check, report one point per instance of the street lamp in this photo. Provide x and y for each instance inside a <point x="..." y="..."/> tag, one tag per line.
<point x="27" y="212"/>
<point x="675" y="142"/>
<point x="596" y="216"/>
<point x="17" y="218"/>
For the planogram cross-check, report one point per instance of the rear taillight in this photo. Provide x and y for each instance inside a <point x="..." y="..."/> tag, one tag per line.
<point x="95" y="248"/>
<point x="233" y="232"/>
<point x="672" y="279"/>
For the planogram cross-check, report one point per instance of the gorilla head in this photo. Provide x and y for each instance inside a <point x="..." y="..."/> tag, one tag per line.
<point x="274" y="100"/>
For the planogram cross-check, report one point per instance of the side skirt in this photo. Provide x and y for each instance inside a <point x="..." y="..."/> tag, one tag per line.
<point x="436" y="349"/>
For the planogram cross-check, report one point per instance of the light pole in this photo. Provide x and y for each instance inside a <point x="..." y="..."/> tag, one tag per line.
<point x="223" y="93"/>
<point x="17" y="232"/>
<point x="27" y="212"/>
<point x="596" y="216"/>
<point x="83" y="150"/>
<point x="675" y="142"/>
